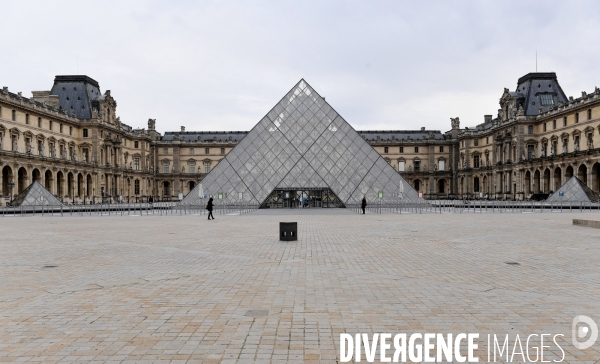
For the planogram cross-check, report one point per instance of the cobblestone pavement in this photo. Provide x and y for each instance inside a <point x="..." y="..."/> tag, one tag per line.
<point x="184" y="289"/>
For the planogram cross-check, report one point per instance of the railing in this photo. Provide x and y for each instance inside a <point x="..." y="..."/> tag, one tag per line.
<point x="128" y="209"/>
<point x="472" y="206"/>
<point x="241" y="208"/>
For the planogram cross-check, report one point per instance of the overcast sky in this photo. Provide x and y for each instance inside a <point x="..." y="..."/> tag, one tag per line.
<point x="217" y="65"/>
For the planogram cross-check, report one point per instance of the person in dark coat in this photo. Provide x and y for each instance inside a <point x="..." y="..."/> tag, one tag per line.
<point x="363" y="205"/>
<point x="209" y="207"/>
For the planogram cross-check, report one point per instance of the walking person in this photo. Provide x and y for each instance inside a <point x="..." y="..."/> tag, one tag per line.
<point x="363" y="205"/>
<point x="209" y="207"/>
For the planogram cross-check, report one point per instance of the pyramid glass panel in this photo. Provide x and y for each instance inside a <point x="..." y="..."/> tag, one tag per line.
<point x="301" y="148"/>
<point x="574" y="191"/>
<point x="36" y="195"/>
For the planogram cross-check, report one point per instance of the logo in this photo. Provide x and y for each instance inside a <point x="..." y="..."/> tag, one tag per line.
<point x="580" y="332"/>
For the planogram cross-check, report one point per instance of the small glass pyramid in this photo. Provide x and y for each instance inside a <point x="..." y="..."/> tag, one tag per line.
<point x="302" y="143"/>
<point x="574" y="191"/>
<point x="36" y="195"/>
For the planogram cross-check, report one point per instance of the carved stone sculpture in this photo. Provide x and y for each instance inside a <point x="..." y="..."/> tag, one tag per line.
<point x="28" y="147"/>
<point x="564" y="147"/>
<point x="14" y="144"/>
<point x="93" y="158"/>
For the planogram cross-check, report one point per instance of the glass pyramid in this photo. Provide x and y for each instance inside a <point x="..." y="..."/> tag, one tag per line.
<point x="36" y="195"/>
<point x="574" y="191"/>
<point x="302" y="143"/>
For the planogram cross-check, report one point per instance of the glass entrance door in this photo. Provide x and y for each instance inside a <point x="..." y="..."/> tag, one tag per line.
<point x="302" y="198"/>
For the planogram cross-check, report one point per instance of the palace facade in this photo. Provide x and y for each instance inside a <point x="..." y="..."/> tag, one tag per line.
<point x="71" y="140"/>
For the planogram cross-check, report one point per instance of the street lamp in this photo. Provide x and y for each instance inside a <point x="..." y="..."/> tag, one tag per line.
<point x="11" y="185"/>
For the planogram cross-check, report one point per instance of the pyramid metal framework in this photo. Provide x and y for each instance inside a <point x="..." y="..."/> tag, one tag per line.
<point x="36" y="195"/>
<point x="302" y="143"/>
<point x="574" y="191"/>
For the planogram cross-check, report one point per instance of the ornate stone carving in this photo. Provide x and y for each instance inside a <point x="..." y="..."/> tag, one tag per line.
<point x="14" y="144"/>
<point x="455" y="122"/>
<point x="151" y="124"/>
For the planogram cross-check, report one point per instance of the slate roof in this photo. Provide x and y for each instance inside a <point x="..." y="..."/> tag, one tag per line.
<point x="534" y="84"/>
<point x="203" y="136"/>
<point x="76" y="93"/>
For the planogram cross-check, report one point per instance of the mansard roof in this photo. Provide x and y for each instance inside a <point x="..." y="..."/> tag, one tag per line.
<point x="534" y="84"/>
<point x="76" y="93"/>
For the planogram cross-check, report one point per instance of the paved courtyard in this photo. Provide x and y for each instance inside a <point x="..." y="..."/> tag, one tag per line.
<point x="184" y="289"/>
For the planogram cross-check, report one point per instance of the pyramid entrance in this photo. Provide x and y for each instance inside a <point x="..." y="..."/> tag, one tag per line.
<point x="302" y="197"/>
<point x="305" y="150"/>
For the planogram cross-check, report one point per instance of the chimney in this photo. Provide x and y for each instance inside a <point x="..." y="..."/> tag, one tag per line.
<point x="487" y="118"/>
<point x="183" y="128"/>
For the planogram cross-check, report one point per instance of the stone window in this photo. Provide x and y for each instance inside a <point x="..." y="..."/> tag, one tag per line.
<point x="60" y="128"/>
<point x="401" y="166"/>
<point x="206" y="167"/>
<point x="544" y="126"/>
<point x="39" y="122"/>
<point x="192" y="167"/>
<point x="136" y="163"/>
<point x="166" y="151"/>
<point x="191" y="150"/>
<point x="85" y="133"/>
<point x="401" y="149"/>
<point x="487" y="140"/>
<point x="385" y="150"/>
<point x="206" y="150"/>
<point x="27" y="119"/>
<point x="165" y="167"/>
<point x="475" y="161"/>
<point x="416" y="149"/>
<point x="417" y="165"/>
<point x="222" y="151"/>
<point x="476" y="142"/>
<point x="553" y="124"/>
<point x="136" y="187"/>
<point x="442" y="165"/>
<point x="565" y="121"/>
<point x="441" y="149"/>
<point x="70" y="130"/>
<point x="529" y="129"/>
<point x="589" y="114"/>
<point x="576" y="117"/>
<point x="14" y="115"/>
<point x="136" y="144"/>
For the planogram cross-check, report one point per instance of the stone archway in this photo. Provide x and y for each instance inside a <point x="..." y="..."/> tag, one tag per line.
<point x="582" y="173"/>
<point x="36" y="175"/>
<point x="442" y="186"/>
<point x="536" y="181"/>
<point x="60" y="184"/>
<point x="7" y="177"/>
<point x="557" y="178"/>
<point x="22" y="179"/>
<point x="89" y="186"/>
<point x="546" y="183"/>
<point x="48" y="179"/>
<point x="80" y="185"/>
<point x="596" y="177"/>
<point x="70" y="185"/>
<point x="568" y="173"/>
<point x="527" y="182"/>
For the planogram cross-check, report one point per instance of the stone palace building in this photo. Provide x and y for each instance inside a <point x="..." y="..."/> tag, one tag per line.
<point x="71" y="140"/>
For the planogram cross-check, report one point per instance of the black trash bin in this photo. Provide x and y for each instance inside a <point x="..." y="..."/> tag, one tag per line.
<point x="288" y="231"/>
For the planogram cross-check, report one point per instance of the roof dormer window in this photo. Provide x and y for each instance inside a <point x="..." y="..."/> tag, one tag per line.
<point x="546" y="99"/>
